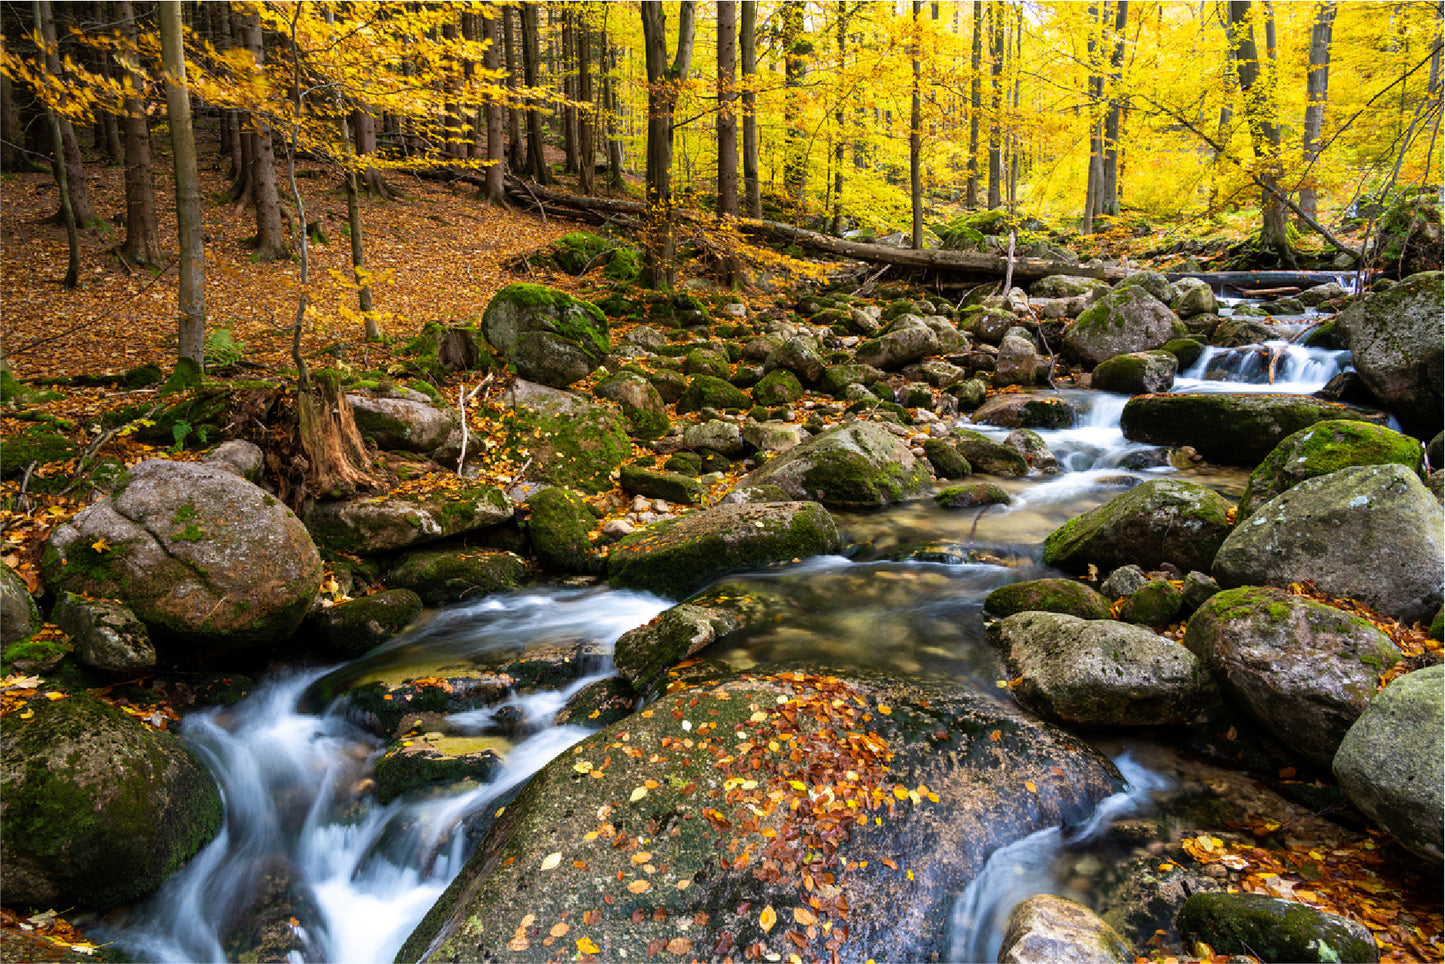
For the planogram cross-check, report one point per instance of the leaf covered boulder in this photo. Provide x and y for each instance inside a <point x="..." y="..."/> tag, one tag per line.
<point x="204" y="558"/>
<point x="772" y="815"/>
<point x="551" y="337"/>
<point x="96" y="808"/>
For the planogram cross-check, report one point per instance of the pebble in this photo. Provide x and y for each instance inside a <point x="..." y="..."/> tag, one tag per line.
<point x="641" y="503"/>
<point x="617" y="528"/>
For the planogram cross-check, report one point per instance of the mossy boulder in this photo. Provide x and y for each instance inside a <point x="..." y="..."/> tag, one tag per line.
<point x="861" y="465"/>
<point x="1127" y="319"/>
<point x="1026" y="411"/>
<point x="579" y="252"/>
<point x="1272" y="929"/>
<point x="1137" y="373"/>
<point x="1068" y="596"/>
<point x="738" y="875"/>
<point x="566" y="441"/>
<point x="375" y="524"/>
<point x="778" y="387"/>
<point x="1163" y="520"/>
<point x="641" y="404"/>
<point x="404" y="421"/>
<point x="19" y="615"/>
<point x="1389" y="763"/>
<point x="679" y="556"/>
<point x="1394" y="340"/>
<point x="35" y="444"/>
<point x="559" y="527"/>
<point x="551" y="337"/>
<point x="646" y="653"/>
<point x="106" y="635"/>
<point x="1323" y="448"/>
<point x="207" y="560"/>
<point x="353" y="627"/>
<point x="972" y="496"/>
<point x="1368" y="532"/>
<point x="671" y="486"/>
<point x="1230" y="429"/>
<point x="437" y="758"/>
<point x="441" y="576"/>
<point x="1304" y="670"/>
<point x="97" y="809"/>
<point x="947" y="461"/>
<point x="837" y="378"/>
<point x="1155" y="603"/>
<point x="987" y="456"/>
<point x="709" y="391"/>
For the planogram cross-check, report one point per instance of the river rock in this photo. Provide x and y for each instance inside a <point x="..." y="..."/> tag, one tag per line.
<point x="559" y="527"/>
<point x="1125" y="320"/>
<point x="1303" y="669"/>
<point x="1389" y="763"/>
<point x="715" y="434"/>
<point x="774" y="436"/>
<point x="1018" y="362"/>
<point x="1195" y="298"/>
<point x="1068" y="596"/>
<point x="1162" y="520"/>
<point x="562" y="438"/>
<point x="644" y="654"/>
<point x="679" y="556"/>
<point x="1371" y="533"/>
<point x="857" y="466"/>
<point x="203" y="557"/>
<point x="899" y="347"/>
<point x="1026" y="411"/>
<point x="238" y="457"/>
<point x="1156" y="603"/>
<point x="1273" y="929"/>
<point x="972" y="496"/>
<point x="1323" y="448"/>
<point x="1153" y="282"/>
<point x="106" y="635"/>
<point x="801" y="355"/>
<point x="19" y="615"/>
<point x="1137" y="373"/>
<point x="838" y="377"/>
<point x="1046" y="929"/>
<point x="1230" y="429"/>
<point x="987" y="456"/>
<point x="640" y="402"/>
<point x="1239" y="331"/>
<point x="351" y="628"/>
<point x="405" y="424"/>
<point x="651" y="847"/>
<point x="441" y="576"/>
<point x="551" y="337"/>
<point x="658" y="484"/>
<point x="1098" y="672"/>
<point x="96" y="808"/>
<point x="369" y="525"/>
<point x="1034" y="449"/>
<point x="708" y="391"/>
<point x="779" y="387"/>
<point x="1067" y="286"/>
<point x="1394" y="338"/>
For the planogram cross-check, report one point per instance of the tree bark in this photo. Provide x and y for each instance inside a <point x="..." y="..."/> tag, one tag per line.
<point x="586" y="115"/>
<point x="1259" y="105"/>
<point x="141" y="245"/>
<point x="1113" y="120"/>
<point x="915" y="130"/>
<point x="995" y="128"/>
<point x="191" y="303"/>
<point x="975" y="104"/>
<point x="1317" y="87"/>
<point x="496" y="142"/>
<point x="613" y="105"/>
<point x="663" y="85"/>
<point x="727" y="118"/>
<point x="516" y="148"/>
<point x="840" y="119"/>
<point x="797" y="49"/>
<point x="45" y="26"/>
<point x="748" y="52"/>
<point x="531" y="54"/>
<point x="271" y="243"/>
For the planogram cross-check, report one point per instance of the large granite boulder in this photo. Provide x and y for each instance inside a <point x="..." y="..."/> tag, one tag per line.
<point x="1125" y="320"/>
<point x="96" y="808"/>
<point x="985" y="455"/>
<point x="203" y="557"/>
<point x="1370" y="532"/>
<point x="1047" y="929"/>
<point x="562" y="438"/>
<point x="857" y="466"/>
<point x="551" y="337"/>
<point x="1304" y="670"/>
<point x="405" y="422"/>
<point x="1099" y="672"/>
<point x="774" y="814"/>
<point x="1323" y="448"/>
<point x="1163" y="520"/>
<point x="1389" y="764"/>
<point x="901" y="346"/>
<point x="677" y="557"/>
<point x="1395" y="338"/>
<point x="19" y="615"/>
<point x="1137" y="373"/>
<point x="1026" y="411"/>
<point x="373" y="524"/>
<point x="1230" y="429"/>
<point x="640" y="402"/>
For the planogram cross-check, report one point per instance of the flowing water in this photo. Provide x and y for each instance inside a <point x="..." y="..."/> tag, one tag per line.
<point x="306" y="840"/>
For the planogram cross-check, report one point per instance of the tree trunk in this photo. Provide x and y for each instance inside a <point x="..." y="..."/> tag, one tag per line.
<point x="1317" y="87"/>
<point x="1259" y="106"/>
<point x="915" y="130"/>
<point x="995" y="128"/>
<point x="455" y="131"/>
<point x="840" y="119"/>
<point x="371" y="180"/>
<point x="531" y="54"/>
<point x="11" y="133"/>
<point x="663" y="86"/>
<point x="271" y="243"/>
<point x="191" y="302"/>
<point x="613" y="104"/>
<point x="141" y="245"/>
<point x="496" y="141"/>
<point x="975" y="104"/>
<point x="571" y="163"/>
<point x="45" y="26"/>
<point x="797" y="48"/>
<point x="1113" y="120"/>
<point x="516" y="149"/>
<point x="586" y="115"/>
<point x="337" y="463"/>
<point x="727" y="118"/>
<point x="748" y="51"/>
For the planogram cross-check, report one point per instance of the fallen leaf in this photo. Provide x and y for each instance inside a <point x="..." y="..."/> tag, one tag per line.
<point x="551" y="861"/>
<point x="767" y="919"/>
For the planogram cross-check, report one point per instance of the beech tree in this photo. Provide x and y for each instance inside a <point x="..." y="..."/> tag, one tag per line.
<point x="191" y="303"/>
<point x="1317" y="86"/>
<point x="1256" y="87"/>
<point x="727" y="121"/>
<point x="664" y="81"/>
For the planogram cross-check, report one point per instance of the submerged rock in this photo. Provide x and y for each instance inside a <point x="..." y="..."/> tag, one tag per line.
<point x="899" y="794"/>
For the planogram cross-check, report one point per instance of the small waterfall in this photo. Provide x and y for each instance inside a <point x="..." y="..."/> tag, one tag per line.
<point x="1274" y="366"/>
<point x="1027" y="867"/>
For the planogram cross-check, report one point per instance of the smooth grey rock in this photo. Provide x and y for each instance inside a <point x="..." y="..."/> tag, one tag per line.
<point x="1018" y="362"/>
<point x="1162" y="520"/>
<point x="1123" y="581"/>
<point x="1395" y="340"/>
<point x="1195" y="298"/>
<point x="899" y="347"/>
<point x="774" y="436"/>
<point x="371" y="525"/>
<point x="859" y="465"/>
<point x="403" y="424"/>
<point x="1047" y="929"/>
<point x="19" y="615"/>
<point x="801" y="355"/>
<point x="238" y="456"/>
<point x="1034" y="449"/>
<point x="715" y="434"/>
<point x="107" y="636"/>
<point x="1125" y="320"/>
<point x="1371" y="533"/>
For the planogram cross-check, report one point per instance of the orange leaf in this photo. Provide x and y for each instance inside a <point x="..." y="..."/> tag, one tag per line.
<point x="767" y="919"/>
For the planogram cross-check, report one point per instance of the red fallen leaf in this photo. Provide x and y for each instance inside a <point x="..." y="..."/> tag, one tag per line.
<point x="653" y="946"/>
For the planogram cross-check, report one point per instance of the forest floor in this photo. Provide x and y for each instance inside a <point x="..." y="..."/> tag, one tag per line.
<point x="437" y="255"/>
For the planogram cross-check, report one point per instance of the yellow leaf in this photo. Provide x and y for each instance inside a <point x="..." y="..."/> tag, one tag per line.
<point x="639" y="886"/>
<point x="559" y="929"/>
<point x="100" y="545"/>
<point x="804" y="916"/>
<point x="798" y="785"/>
<point x="585" y="945"/>
<point x="638" y="794"/>
<point x="767" y="919"/>
<point x="1031" y="786"/>
<point x="885" y="710"/>
<point x="551" y="861"/>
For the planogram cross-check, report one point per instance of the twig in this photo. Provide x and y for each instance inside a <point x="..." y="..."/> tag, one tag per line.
<point x="540" y="209"/>
<point x="464" y="396"/>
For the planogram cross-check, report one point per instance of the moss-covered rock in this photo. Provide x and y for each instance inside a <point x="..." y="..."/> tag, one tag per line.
<point x="641" y="403"/>
<point x="580" y="251"/>
<point x="1136" y="373"/>
<point x="1323" y="448"/>
<point x="559" y="527"/>
<point x="646" y="653"/>
<point x="671" y="486"/>
<point x="381" y="524"/>
<point x="709" y="391"/>
<point x="837" y="378"/>
<point x="1127" y="319"/>
<point x="578" y="447"/>
<point x="972" y="496"/>
<point x="1163" y="520"/>
<point x="679" y="556"/>
<point x="778" y="387"/>
<point x="441" y="576"/>
<point x="435" y="759"/>
<point x="353" y="627"/>
<point x="1231" y="429"/>
<point x="1068" y="596"/>
<point x="1026" y="411"/>
<point x="987" y="456"/>
<point x="1155" y="603"/>
<point x="1273" y="929"/>
<point x="860" y="465"/>
<point x="599" y="704"/>
<point x="551" y="337"/>
<point x="19" y="615"/>
<point x="39" y="445"/>
<point x="107" y="636"/>
<point x="947" y="461"/>
<point x="1394" y="341"/>
<point x="96" y="808"/>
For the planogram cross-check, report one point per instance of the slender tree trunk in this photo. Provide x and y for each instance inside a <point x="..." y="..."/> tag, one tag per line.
<point x="1317" y="87"/>
<point x="45" y="26"/>
<point x="1259" y="104"/>
<point x="516" y="149"/>
<point x="141" y="246"/>
<point x="586" y="114"/>
<point x="531" y="55"/>
<point x="11" y="133"/>
<point x="271" y="242"/>
<point x="370" y="178"/>
<point x="797" y="48"/>
<point x="995" y="128"/>
<point x="613" y="106"/>
<point x="1113" y="120"/>
<point x="455" y="130"/>
<point x="570" y="163"/>
<point x="191" y="303"/>
<point x="748" y="50"/>
<point x="915" y="129"/>
<point x="975" y="104"/>
<point x="840" y="120"/>
<point x="496" y="140"/>
<point x="663" y="85"/>
<point x="727" y="118"/>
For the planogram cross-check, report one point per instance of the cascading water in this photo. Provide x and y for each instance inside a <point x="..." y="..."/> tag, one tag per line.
<point x="305" y="837"/>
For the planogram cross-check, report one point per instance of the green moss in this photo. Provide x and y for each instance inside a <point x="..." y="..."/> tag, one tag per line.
<point x="186" y="377"/>
<point x="1322" y="448"/>
<point x="559" y="529"/>
<point x="1068" y="596"/>
<point x="1271" y="929"/>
